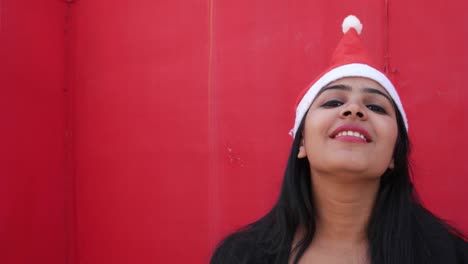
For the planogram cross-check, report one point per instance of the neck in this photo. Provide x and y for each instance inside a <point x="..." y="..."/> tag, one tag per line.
<point x="343" y="209"/>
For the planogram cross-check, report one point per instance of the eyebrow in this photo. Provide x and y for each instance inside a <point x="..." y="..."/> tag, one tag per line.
<point x="345" y="87"/>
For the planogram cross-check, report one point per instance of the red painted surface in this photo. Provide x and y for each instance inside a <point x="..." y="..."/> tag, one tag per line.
<point x="181" y="113"/>
<point x="141" y="131"/>
<point x="32" y="116"/>
<point x="431" y="61"/>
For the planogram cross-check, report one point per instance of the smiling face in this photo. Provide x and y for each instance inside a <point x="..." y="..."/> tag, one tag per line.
<point x="350" y="129"/>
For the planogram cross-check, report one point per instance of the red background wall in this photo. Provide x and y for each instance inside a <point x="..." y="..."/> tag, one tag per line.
<point x="33" y="185"/>
<point x="180" y="112"/>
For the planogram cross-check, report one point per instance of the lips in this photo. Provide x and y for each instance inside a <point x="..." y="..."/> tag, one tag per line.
<point x="351" y="133"/>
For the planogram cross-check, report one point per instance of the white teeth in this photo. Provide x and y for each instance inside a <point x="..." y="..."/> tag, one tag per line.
<point x="351" y="133"/>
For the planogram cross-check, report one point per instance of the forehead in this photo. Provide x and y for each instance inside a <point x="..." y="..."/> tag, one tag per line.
<point x="359" y="83"/>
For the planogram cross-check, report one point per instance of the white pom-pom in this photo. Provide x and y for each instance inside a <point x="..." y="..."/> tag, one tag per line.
<point x="352" y="22"/>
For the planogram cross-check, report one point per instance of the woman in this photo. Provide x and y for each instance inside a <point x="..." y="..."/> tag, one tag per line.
<point x="347" y="196"/>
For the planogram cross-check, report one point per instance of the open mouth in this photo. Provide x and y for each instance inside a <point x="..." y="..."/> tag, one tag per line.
<point x="351" y="133"/>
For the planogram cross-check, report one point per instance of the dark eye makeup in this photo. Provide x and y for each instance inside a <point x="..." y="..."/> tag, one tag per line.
<point x="336" y="103"/>
<point x="377" y="108"/>
<point x="332" y="104"/>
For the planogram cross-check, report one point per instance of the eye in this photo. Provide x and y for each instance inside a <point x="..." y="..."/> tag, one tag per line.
<point x="332" y="104"/>
<point x="377" y="109"/>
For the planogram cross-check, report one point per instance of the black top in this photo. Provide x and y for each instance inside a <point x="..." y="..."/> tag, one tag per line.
<point x="443" y="247"/>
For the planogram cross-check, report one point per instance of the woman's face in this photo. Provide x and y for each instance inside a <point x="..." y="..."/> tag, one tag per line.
<point x="350" y="129"/>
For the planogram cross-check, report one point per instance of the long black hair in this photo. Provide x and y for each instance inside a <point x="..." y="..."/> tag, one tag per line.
<point x="400" y="229"/>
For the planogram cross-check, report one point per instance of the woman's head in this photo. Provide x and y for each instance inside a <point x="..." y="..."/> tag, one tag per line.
<point x="350" y="130"/>
<point x="350" y="59"/>
<point x="349" y="113"/>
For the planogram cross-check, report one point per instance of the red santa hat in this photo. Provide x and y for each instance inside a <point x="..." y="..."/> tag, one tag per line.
<point x="350" y="59"/>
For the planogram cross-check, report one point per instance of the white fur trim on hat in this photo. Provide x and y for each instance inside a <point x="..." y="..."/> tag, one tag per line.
<point x="348" y="70"/>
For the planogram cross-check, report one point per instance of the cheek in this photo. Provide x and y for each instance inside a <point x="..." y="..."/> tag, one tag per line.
<point x="388" y="131"/>
<point x="316" y="130"/>
<point x="318" y="122"/>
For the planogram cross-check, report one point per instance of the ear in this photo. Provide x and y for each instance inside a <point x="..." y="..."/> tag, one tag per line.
<point x="391" y="165"/>
<point x="302" y="152"/>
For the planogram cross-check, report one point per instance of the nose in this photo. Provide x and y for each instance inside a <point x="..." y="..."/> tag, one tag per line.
<point x="353" y="110"/>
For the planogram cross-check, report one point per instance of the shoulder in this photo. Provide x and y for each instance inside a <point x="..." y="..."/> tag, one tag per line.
<point x="461" y="248"/>
<point x="239" y="248"/>
<point x="234" y="249"/>
<point x="444" y="243"/>
<point x="454" y="250"/>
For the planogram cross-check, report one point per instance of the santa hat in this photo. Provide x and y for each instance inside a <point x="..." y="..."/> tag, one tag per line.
<point x="350" y="59"/>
